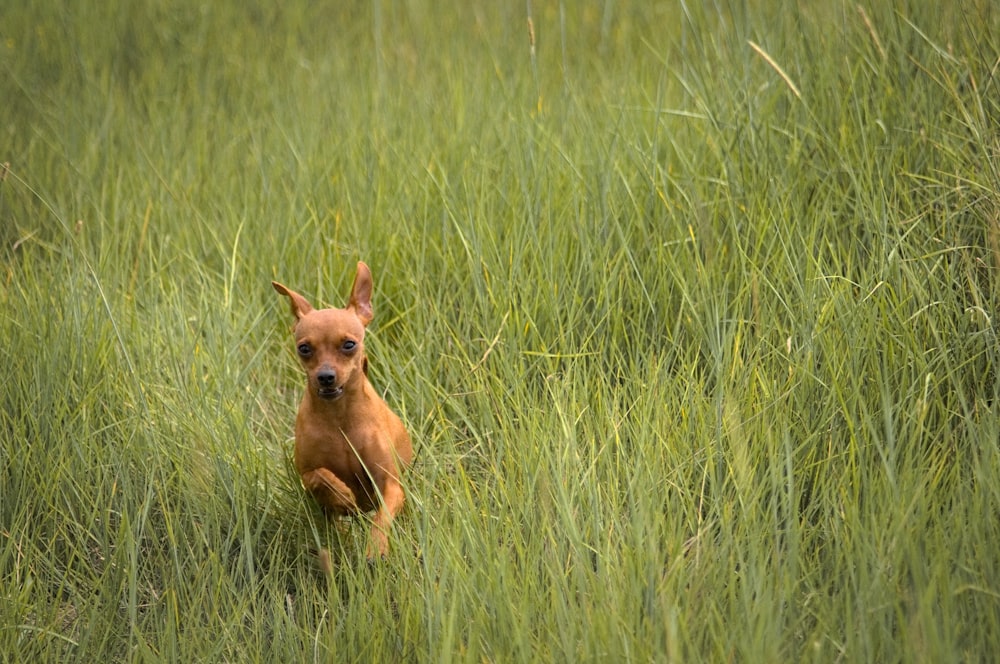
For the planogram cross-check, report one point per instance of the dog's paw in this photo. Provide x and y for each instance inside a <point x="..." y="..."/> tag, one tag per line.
<point x="375" y="561"/>
<point x="378" y="551"/>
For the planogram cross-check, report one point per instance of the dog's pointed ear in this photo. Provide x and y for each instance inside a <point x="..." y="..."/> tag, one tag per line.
<point x="300" y="306"/>
<point x="361" y="294"/>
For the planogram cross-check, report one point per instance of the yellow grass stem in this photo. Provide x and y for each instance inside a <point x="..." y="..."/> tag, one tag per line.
<point x="776" y="67"/>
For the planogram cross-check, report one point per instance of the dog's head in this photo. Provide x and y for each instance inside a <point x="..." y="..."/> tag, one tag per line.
<point x="330" y="343"/>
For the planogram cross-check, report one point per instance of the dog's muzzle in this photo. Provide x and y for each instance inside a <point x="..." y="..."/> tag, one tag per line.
<point x="327" y="384"/>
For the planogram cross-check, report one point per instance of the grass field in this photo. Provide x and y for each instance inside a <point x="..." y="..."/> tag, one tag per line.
<point x="688" y="307"/>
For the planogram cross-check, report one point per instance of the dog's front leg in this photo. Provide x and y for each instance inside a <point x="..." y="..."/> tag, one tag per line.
<point x="392" y="502"/>
<point x="329" y="491"/>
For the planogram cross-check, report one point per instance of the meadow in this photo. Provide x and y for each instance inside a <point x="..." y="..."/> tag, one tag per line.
<point x="688" y="307"/>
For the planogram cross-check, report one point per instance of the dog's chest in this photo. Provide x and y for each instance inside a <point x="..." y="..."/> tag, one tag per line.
<point x="341" y="452"/>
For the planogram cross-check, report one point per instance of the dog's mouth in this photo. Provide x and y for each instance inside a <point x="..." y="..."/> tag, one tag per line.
<point x="330" y="393"/>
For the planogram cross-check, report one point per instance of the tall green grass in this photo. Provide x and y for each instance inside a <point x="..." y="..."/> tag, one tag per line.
<point x="688" y="307"/>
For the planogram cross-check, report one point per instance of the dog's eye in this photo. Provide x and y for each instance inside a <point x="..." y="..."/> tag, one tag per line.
<point x="349" y="346"/>
<point x="305" y="351"/>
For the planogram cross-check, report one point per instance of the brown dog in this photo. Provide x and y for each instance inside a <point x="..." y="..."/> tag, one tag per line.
<point x="349" y="447"/>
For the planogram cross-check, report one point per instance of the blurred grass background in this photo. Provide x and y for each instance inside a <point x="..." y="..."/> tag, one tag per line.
<point x="688" y="307"/>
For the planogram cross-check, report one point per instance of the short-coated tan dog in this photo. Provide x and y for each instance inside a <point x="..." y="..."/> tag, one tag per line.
<point x="349" y="446"/>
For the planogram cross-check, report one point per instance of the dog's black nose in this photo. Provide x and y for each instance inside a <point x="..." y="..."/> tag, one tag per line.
<point x="326" y="377"/>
